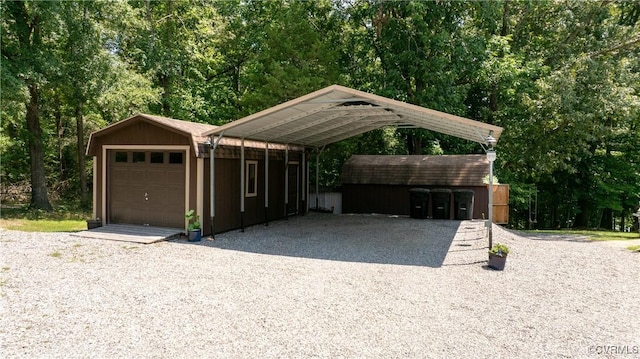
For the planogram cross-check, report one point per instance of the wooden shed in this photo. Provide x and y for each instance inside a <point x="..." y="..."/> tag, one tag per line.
<point x="149" y="170"/>
<point x="381" y="184"/>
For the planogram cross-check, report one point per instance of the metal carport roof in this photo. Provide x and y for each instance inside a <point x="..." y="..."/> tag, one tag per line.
<point x="336" y="112"/>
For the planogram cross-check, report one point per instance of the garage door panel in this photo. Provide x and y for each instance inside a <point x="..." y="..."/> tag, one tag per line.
<point x="157" y="176"/>
<point x="175" y="174"/>
<point x="120" y="175"/>
<point x="146" y="193"/>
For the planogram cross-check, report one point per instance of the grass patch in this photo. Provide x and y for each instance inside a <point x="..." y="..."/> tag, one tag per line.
<point x="43" y="225"/>
<point x="634" y="248"/>
<point x="55" y="254"/>
<point x="62" y="219"/>
<point x="594" y="235"/>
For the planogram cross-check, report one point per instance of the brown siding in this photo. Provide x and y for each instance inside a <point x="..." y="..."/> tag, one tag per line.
<point x="141" y="133"/>
<point x="206" y="193"/>
<point x="228" y="189"/>
<point x="276" y="189"/>
<point x="391" y="199"/>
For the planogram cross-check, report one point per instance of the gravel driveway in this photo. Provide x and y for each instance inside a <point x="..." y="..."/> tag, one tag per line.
<point x="330" y="286"/>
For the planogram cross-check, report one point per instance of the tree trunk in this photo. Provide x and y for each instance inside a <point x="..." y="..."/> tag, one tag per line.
<point x="584" y="216"/>
<point x="39" y="196"/>
<point x="606" y="220"/>
<point x="165" y="84"/>
<point x="57" y="114"/>
<point x="414" y="144"/>
<point x="82" y="178"/>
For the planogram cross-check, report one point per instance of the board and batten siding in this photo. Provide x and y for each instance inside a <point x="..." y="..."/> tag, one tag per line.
<point x="380" y="183"/>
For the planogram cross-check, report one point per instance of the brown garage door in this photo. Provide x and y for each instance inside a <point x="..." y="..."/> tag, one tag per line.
<point x="147" y="187"/>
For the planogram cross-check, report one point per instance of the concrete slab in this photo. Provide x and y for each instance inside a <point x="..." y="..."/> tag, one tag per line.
<point x="130" y="233"/>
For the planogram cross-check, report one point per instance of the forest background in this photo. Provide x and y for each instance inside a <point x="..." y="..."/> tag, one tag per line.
<point x="561" y="77"/>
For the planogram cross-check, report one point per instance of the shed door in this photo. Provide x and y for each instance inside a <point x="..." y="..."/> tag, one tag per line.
<point x="147" y="187"/>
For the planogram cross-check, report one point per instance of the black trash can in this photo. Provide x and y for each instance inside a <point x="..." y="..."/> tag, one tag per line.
<point x="463" y="203"/>
<point x="419" y="199"/>
<point x="440" y="198"/>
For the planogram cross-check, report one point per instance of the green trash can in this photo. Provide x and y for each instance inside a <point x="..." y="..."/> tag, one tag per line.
<point x="463" y="203"/>
<point x="440" y="201"/>
<point x="419" y="199"/>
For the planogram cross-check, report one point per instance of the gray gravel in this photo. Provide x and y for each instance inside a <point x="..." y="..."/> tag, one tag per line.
<point x="318" y="286"/>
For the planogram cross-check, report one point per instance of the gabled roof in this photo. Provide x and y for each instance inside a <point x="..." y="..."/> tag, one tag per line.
<point x="336" y="112"/>
<point x="195" y="131"/>
<point x="416" y="170"/>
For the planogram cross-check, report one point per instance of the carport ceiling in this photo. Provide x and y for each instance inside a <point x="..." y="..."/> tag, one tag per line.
<point x="336" y="112"/>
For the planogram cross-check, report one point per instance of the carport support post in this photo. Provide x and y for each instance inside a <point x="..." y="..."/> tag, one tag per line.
<point x="304" y="183"/>
<point x="212" y="182"/>
<point x="491" y="197"/>
<point x="317" y="178"/>
<point x="242" y="184"/>
<point x="491" y="156"/>
<point x="212" y="188"/>
<point x="266" y="183"/>
<point x="286" y="181"/>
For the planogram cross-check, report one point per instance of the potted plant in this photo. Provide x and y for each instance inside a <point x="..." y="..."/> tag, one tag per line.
<point x="498" y="256"/>
<point x="194" y="228"/>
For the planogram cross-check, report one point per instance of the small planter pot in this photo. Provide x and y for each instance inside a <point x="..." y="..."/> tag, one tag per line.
<point x="195" y="235"/>
<point x="497" y="262"/>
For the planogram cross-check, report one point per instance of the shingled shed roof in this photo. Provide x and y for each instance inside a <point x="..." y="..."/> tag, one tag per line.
<point x="193" y="130"/>
<point x="416" y="170"/>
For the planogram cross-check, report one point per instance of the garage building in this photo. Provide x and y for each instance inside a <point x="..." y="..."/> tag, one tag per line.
<point x="150" y="170"/>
